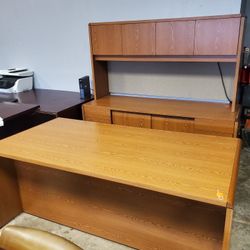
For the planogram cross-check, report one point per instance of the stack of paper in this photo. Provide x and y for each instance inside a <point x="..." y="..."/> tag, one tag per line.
<point x="1" y="122"/>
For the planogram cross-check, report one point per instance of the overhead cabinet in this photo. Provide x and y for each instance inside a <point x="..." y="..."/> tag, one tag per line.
<point x="175" y="38"/>
<point x="197" y="37"/>
<point x="217" y="36"/>
<point x="138" y="39"/>
<point x="106" y="39"/>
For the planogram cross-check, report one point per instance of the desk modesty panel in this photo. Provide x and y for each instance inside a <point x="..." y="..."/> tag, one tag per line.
<point x="140" y="187"/>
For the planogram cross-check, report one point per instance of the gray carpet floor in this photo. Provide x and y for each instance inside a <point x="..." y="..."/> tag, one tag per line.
<point x="240" y="239"/>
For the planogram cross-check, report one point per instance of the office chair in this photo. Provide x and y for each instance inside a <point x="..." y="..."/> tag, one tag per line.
<point x="22" y="238"/>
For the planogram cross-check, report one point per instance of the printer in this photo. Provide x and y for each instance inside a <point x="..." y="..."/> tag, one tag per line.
<point x="15" y="80"/>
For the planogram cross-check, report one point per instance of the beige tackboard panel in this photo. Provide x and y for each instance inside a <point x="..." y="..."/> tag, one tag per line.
<point x="197" y="81"/>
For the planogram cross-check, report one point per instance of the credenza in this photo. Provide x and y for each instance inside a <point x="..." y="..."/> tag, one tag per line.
<point x="148" y="189"/>
<point x="214" y="39"/>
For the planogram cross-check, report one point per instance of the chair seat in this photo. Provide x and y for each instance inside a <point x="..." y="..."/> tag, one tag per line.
<point x="23" y="238"/>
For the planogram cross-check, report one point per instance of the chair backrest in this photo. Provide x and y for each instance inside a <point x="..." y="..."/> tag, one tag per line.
<point x="22" y="238"/>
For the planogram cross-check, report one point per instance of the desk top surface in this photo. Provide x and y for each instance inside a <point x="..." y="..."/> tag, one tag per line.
<point x="50" y="101"/>
<point x="12" y="110"/>
<point x="196" y="167"/>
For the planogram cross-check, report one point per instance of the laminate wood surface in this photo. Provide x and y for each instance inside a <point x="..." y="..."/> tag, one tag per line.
<point x="52" y="102"/>
<point x="12" y="110"/>
<point x="173" y="124"/>
<point x="96" y="114"/>
<point x="138" y="39"/>
<point x="177" y="108"/>
<point x="176" y="58"/>
<point x="106" y="39"/>
<point x="136" y="217"/>
<point x="196" y="167"/>
<point x="10" y="203"/>
<point x="237" y="66"/>
<point x="217" y="37"/>
<point x="131" y="119"/>
<point x="175" y="38"/>
<point x="100" y="78"/>
<point x="169" y="19"/>
<point x="227" y="229"/>
<point x="214" y="127"/>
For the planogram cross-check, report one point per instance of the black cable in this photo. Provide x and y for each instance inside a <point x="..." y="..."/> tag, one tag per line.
<point x="223" y="83"/>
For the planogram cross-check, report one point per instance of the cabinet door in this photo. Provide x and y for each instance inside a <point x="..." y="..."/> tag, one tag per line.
<point x="96" y="113"/>
<point x="217" y="36"/>
<point x="138" y="39"/>
<point x="173" y="124"/>
<point x="106" y="39"/>
<point x="131" y="119"/>
<point x="214" y="127"/>
<point x="175" y="38"/>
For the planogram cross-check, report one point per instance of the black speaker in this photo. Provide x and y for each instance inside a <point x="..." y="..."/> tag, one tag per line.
<point x="84" y="86"/>
<point x="246" y="96"/>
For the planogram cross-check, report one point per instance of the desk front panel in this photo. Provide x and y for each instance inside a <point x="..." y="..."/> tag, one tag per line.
<point x="132" y="216"/>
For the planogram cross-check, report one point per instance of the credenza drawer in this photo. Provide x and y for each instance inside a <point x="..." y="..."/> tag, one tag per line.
<point x="173" y="124"/>
<point x="131" y="119"/>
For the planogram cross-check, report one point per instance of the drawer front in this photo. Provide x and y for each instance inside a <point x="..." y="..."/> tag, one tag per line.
<point x="214" y="127"/>
<point x="131" y="119"/>
<point x="173" y="124"/>
<point x="96" y="113"/>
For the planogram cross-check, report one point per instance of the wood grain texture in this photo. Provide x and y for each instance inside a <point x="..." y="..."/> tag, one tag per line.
<point x="10" y="203"/>
<point x="96" y="114"/>
<point x="106" y="39"/>
<point x="236" y="129"/>
<point x="186" y="165"/>
<point x="131" y="119"/>
<point x="138" y="39"/>
<point x="175" y="58"/>
<point x="214" y="127"/>
<point x="227" y="229"/>
<point x="175" y="38"/>
<point x="170" y="19"/>
<point x="136" y="217"/>
<point x="9" y="110"/>
<point x="173" y="124"/>
<point x="217" y="37"/>
<point x="100" y="78"/>
<point x="234" y="178"/>
<point x="237" y="66"/>
<point x="206" y="110"/>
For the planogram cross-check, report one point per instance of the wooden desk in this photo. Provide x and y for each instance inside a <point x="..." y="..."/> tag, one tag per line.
<point x="148" y="189"/>
<point x="15" y="116"/>
<point x="56" y="103"/>
<point x="49" y="105"/>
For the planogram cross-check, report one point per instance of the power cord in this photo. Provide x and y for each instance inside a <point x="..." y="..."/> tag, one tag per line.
<point x="223" y="83"/>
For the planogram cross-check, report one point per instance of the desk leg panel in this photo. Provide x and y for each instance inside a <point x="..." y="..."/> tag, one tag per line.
<point x="10" y="203"/>
<point x="132" y="216"/>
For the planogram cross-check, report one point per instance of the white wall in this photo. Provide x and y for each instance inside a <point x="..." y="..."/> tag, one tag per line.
<point x="51" y="37"/>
